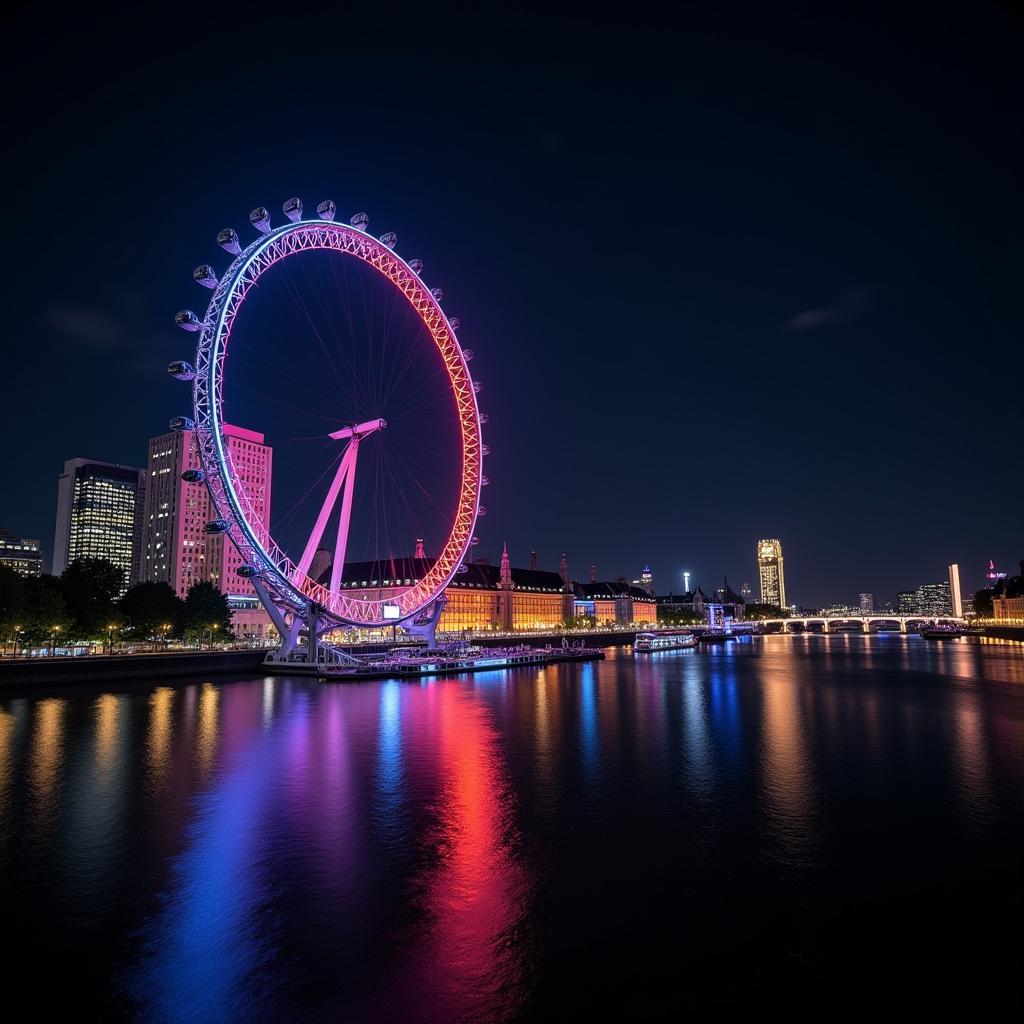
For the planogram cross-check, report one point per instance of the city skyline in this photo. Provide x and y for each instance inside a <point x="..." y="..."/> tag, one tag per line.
<point x="766" y="285"/>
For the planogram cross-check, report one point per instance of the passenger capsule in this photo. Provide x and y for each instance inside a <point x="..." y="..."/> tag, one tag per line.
<point x="474" y="541"/>
<point x="228" y="241"/>
<point x="416" y="266"/>
<point x="326" y="210"/>
<point x="193" y="476"/>
<point x="182" y="423"/>
<point x="390" y="239"/>
<point x="484" y="417"/>
<point x="292" y="209"/>
<point x="260" y="219"/>
<point x="454" y="323"/>
<point x="477" y="386"/>
<point x="463" y="568"/>
<point x="187" y="320"/>
<point x="360" y="221"/>
<point x="180" y="370"/>
<point x="467" y="354"/>
<point x="481" y="511"/>
<point x="484" y="481"/>
<point x="217" y="526"/>
<point x="438" y="294"/>
<point x="205" y="275"/>
<point x="485" y="449"/>
<point x="247" y="571"/>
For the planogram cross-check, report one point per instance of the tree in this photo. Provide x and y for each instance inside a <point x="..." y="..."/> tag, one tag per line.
<point x="983" y="603"/>
<point x="12" y="604"/>
<point x="765" y="611"/>
<point x="90" y="587"/>
<point x="580" y="622"/>
<point x="46" y="617"/>
<point x="152" y="610"/>
<point x="206" y="613"/>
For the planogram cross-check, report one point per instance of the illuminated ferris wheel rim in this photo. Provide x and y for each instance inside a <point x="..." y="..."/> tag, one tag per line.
<point x="260" y="553"/>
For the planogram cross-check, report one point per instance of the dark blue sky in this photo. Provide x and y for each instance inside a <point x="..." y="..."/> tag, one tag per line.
<point x="733" y="277"/>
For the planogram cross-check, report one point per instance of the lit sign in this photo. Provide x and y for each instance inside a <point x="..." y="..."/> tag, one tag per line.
<point x="391" y="611"/>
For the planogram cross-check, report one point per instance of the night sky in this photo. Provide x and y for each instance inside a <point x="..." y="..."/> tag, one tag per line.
<point x="729" y="278"/>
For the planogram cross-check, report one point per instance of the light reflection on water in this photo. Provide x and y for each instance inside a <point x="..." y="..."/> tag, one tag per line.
<point x="282" y="849"/>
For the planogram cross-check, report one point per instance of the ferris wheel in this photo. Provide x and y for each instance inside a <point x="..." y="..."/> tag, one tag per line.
<point x="296" y="598"/>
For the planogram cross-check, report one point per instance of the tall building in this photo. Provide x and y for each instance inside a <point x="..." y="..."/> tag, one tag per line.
<point x="97" y="515"/>
<point x="745" y="592"/>
<point x="867" y="602"/>
<point x="175" y="549"/>
<point x="955" y="600"/>
<point x="773" y="580"/>
<point x="20" y="554"/>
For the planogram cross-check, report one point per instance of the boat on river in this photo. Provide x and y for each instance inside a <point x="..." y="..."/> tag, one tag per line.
<point x="669" y="640"/>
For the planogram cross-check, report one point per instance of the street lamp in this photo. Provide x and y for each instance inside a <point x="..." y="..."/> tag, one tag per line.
<point x="166" y="627"/>
<point x="53" y="641"/>
<point x="110" y="639"/>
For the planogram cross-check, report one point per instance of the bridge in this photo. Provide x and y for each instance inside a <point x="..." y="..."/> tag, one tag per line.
<point x="864" y="621"/>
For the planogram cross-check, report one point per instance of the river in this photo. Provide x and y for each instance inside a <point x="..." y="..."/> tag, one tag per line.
<point x="828" y="826"/>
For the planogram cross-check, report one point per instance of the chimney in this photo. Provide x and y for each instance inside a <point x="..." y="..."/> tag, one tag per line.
<point x="533" y="560"/>
<point x="420" y="553"/>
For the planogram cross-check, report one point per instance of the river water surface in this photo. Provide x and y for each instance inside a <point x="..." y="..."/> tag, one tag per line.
<point x="821" y="826"/>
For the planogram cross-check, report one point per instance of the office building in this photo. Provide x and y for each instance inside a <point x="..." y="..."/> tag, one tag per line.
<point x="20" y="554"/>
<point x="773" y="579"/>
<point x="955" y="600"/>
<point x="867" y="603"/>
<point x="97" y="515"/>
<point x="931" y="600"/>
<point x="175" y="549"/>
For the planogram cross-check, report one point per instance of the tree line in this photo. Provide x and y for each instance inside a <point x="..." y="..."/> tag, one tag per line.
<point x="82" y="606"/>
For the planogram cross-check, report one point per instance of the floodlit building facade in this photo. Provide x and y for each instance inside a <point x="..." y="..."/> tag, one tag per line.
<point x="956" y="601"/>
<point x="483" y="597"/>
<point x="770" y="569"/>
<point x="97" y="515"/>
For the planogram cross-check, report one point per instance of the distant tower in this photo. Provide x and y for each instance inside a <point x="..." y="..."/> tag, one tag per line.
<point x="769" y="564"/>
<point x="746" y="593"/>
<point x="647" y="580"/>
<point x="867" y="603"/>
<point x="533" y="561"/>
<point x="420" y="553"/>
<point x="505" y="588"/>
<point x="686" y="582"/>
<point x="954" y="590"/>
<point x="568" y="595"/>
<point x="593" y="574"/>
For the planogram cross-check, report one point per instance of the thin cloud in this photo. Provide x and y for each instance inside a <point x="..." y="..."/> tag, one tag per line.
<point x="851" y="305"/>
<point x="89" y="327"/>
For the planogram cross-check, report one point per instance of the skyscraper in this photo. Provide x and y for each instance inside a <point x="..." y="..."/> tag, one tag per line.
<point x="769" y="565"/>
<point x="867" y="602"/>
<point x="175" y="549"/>
<point x="956" y="602"/>
<point x="97" y="506"/>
